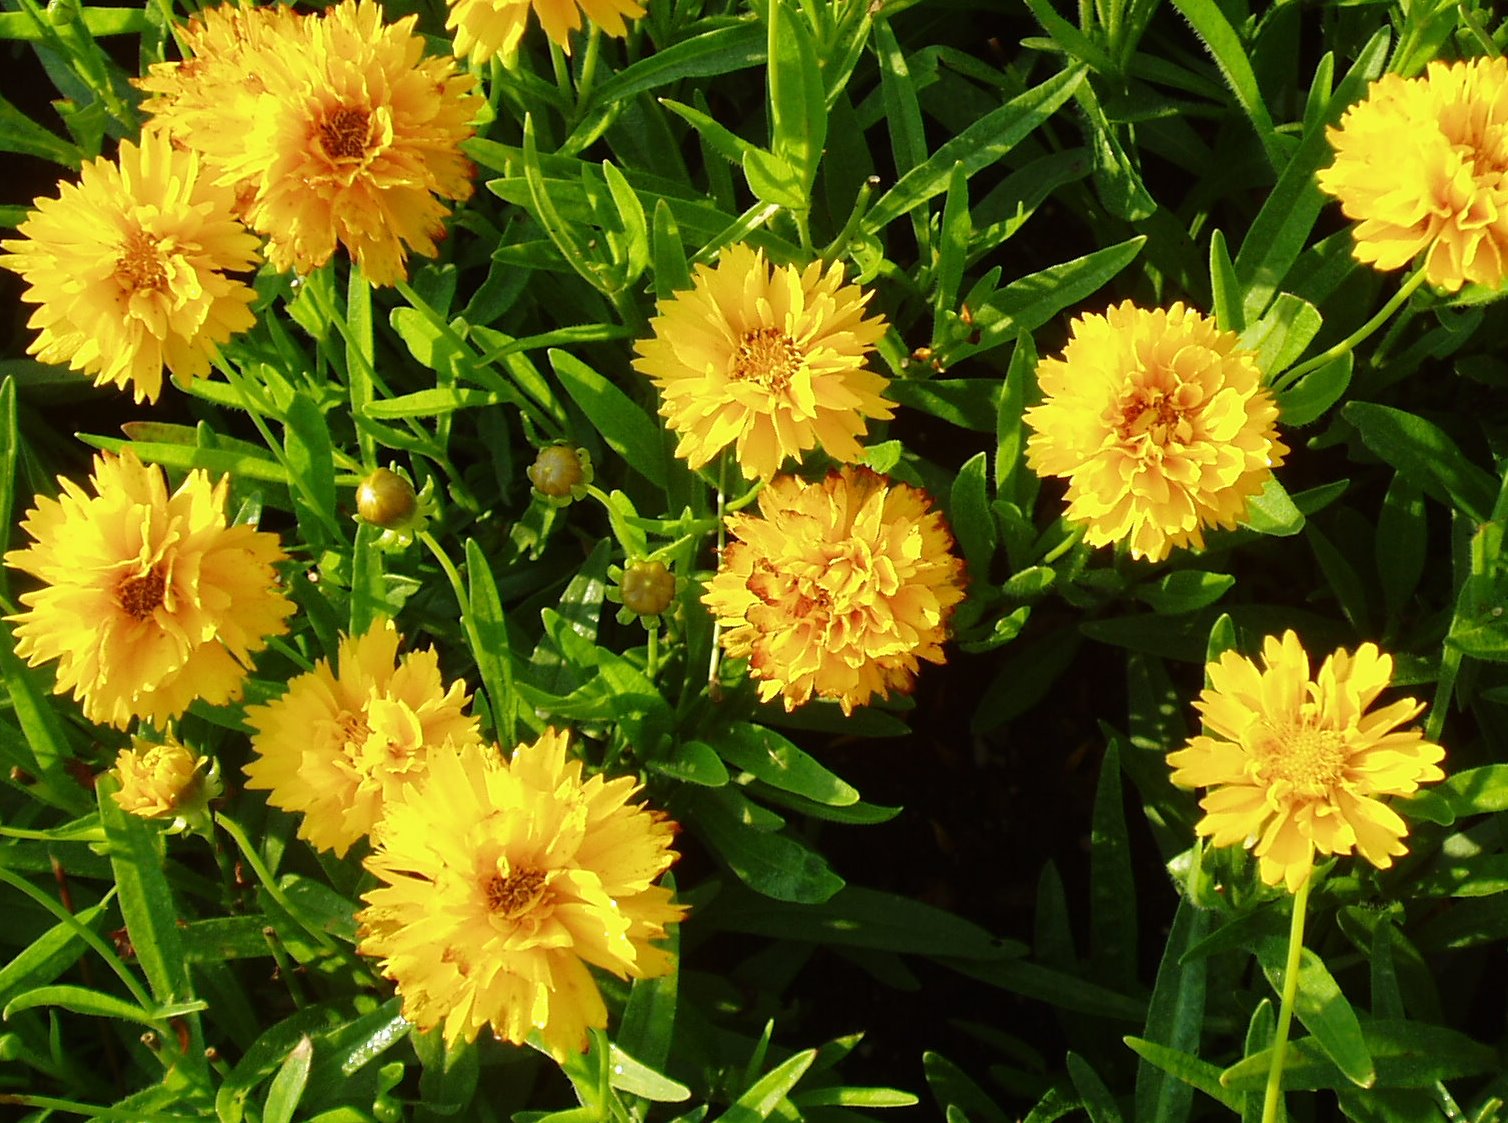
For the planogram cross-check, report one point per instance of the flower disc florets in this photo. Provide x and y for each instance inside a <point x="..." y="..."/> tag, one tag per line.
<point x="1422" y="165"/>
<point x="1294" y="765"/>
<point x="1160" y="424"/>
<point x="837" y="589"/>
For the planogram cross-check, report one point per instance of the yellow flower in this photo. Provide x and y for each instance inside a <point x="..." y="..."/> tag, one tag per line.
<point x="1295" y="765"/>
<point x="149" y="600"/>
<point x="768" y="357"/>
<point x="503" y="882"/>
<point x="1160" y="424"/>
<point x="158" y="781"/>
<point x="837" y="588"/>
<point x="1421" y="164"/>
<point x="129" y="268"/>
<point x="485" y="28"/>
<point x="341" y="744"/>
<point x="333" y="128"/>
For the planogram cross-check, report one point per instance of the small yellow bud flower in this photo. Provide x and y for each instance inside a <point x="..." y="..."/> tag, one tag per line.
<point x="387" y="500"/>
<point x="160" y="781"/>
<point x="648" y="588"/>
<point x="560" y="473"/>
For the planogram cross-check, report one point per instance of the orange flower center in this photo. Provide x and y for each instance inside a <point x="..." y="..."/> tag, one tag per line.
<point x="343" y="133"/>
<point x="516" y="894"/>
<point x="139" y="597"/>
<point x="1150" y="412"/>
<point x="1312" y="761"/>
<point x="767" y="356"/>
<point x="139" y="266"/>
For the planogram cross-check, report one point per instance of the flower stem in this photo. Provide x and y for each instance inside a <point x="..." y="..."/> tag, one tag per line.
<point x="1274" y="1095"/>
<point x="1352" y="341"/>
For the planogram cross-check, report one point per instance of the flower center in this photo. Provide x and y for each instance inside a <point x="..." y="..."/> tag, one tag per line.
<point x="1150" y="412"/>
<point x="354" y="730"/>
<point x="139" y="597"/>
<point x="343" y="134"/>
<point x="516" y="894"/>
<point x="1312" y="760"/>
<point x="767" y="356"/>
<point x="139" y="266"/>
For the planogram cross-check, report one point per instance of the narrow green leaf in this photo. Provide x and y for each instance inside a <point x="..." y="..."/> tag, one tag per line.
<point x="980" y="145"/>
<point x="311" y="460"/>
<point x="287" y="1086"/>
<point x="670" y="270"/>
<point x="1229" y="53"/>
<point x="434" y="402"/>
<point x="1098" y="1101"/>
<point x="1273" y="512"/>
<point x="768" y="756"/>
<point x="631" y="216"/>
<point x="776" y="865"/>
<point x="82" y="1000"/>
<point x="491" y="645"/>
<point x="622" y="423"/>
<point x="719" y="51"/>
<point x="647" y="1027"/>
<point x="48" y="956"/>
<point x="1402" y="543"/>
<point x="1188" y="1069"/>
<point x="46" y="743"/>
<point x="638" y="1079"/>
<point x="952" y="252"/>
<point x="1323" y="1009"/>
<point x="1282" y="334"/>
<point x="448" y="1082"/>
<point x="1407" y="1055"/>
<point x="1320" y="389"/>
<point x="20" y="134"/>
<point x="1175" y="1019"/>
<point x="217" y="462"/>
<point x="1012" y="481"/>
<point x="1112" y="888"/>
<point x="767" y="1093"/>
<point x="1474" y="791"/>
<point x="1184" y="590"/>
<point x="798" y="102"/>
<point x="1229" y="314"/>
<point x="360" y="354"/>
<point x="970" y="517"/>
<point x="1425" y="454"/>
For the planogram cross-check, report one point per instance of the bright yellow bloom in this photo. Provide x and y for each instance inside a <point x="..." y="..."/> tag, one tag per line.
<point x="149" y="600"/>
<point x="1295" y="765"/>
<point x="485" y="28"/>
<point x="837" y="588"/>
<point x="504" y="882"/>
<point x="1160" y="424"/>
<point x="129" y="268"/>
<point x="770" y="358"/>
<point x="161" y="780"/>
<point x="1422" y="164"/>
<point x="341" y="744"/>
<point x="333" y="128"/>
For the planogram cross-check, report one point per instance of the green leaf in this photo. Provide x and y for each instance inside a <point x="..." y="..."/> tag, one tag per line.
<point x="1056" y="988"/>
<point x="1402" y="544"/>
<point x="980" y="145"/>
<point x="769" y="1091"/>
<point x="491" y="646"/>
<point x="1098" y="1101"/>
<point x="798" y="102"/>
<point x="969" y="403"/>
<point x="287" y="1087"/>
<point x="670" y="271"/>
<point x="1323" y="1009"/>
<point x="954" y="1090"/>
<point x="1406" y="1055"/>
<point x="1175" y="1019"/>
<point x="311" y="460"/>
<point x="1316" y="392"/>
<point x="1012" y="480"/>
<point x="1229" y="53"/>
<point x="1475" y="791"/>
<point x="769" y="757"/>
<point x="1424" y="453"/>
<point x="1229" y="315"/>
<point x="1184" y="590"/>
<point x="1187" y="1068"/>
<point x="969" y="514"/>
<point x="647" y="1028"/>
<point x="694" y="762"/>
<point x="1282" y="335"/>
<point x="1112" y="889"/>
<point x="82" y="1000"/>
<point x="448" y="1082"/>
<point x="623" y="424"/>
<point x="434" y="402"/>
<point x="48" y="956"/>
<point x="631" y="216"/>
<point x="19" y="133"/>
<point x="952" y="252"/>
<point x="776" y="865"/>
<point x="1116" y="176"/>
<point x="1273" y="512"/>
<point x="719" y="51"/>
<point x="217" y="462"/>
<point x="638" y="1079"/>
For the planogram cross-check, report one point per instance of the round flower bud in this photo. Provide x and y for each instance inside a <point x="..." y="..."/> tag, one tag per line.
<point x="387" y="500"/>
<point x="648" y="588"/>
<point x="560" y="471"/>
<point x="163" y="781"/>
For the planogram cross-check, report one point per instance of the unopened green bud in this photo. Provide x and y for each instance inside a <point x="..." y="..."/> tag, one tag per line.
<point x="387" y="500"/>
<point x="648" y="588"/>
<point x="561" y="472"/>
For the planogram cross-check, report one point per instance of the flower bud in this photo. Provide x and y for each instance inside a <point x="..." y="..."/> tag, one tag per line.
<point x="648" y="588"/>
<point x="162" y="781"/>
<point x="560" y="472"/>
<point x="387" y="500"/>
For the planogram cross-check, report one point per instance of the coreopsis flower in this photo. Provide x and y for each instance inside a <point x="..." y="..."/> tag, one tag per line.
<point x="332" y="128"/>
<point x="165" y="780"/>
<point x="131" y="268"/>
<point x="1295" y="765"/>
<point x="342" y="742"/>
<point x="1159" y="422"/>
<point x="504" y="881"/>
<point x="1419" y="163"/>
<point x="837" y="589"/>
<point x="149" y="600"/>
<point x="768" y="358"/>
<point x="487" y="28"/>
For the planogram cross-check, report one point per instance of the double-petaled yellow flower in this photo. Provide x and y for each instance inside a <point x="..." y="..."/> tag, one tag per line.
<point x="837" y="589"/>
<point x="344" y="741"/>
<point x="162" y="780"/>
<point x="767" y="358"/>
<point x="132" y="268"/>
<point x="333" y="128"/>
<point x="503" y="882"/>
<point x="1295" y="766"/>
<point x="1422" y="165"/>
<point x="149" y="601"/>
<point x="1160" y="424"/>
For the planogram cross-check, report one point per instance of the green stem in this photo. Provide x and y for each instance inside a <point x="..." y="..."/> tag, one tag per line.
<point x="269" y="883"/>
<point x="588" y="69"/>
<point x="652" y="658"/>
<point x="1274" y="1097"/>
<point x="1349" y="344"/>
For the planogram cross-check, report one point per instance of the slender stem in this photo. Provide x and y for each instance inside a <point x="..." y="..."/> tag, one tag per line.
<point x="462" y="600"/>
<point x="652" y="659"/>
<point x="1274" y="1097"/>
<point x="1347" y="345"/>
<point x="269" y="883"/>
<point x="588" y="68"/>
<point x="722" y="541"/>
